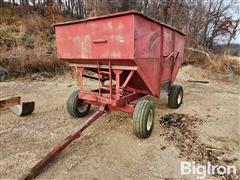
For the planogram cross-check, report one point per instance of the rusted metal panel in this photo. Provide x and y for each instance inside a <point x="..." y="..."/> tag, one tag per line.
<point x="15" y="105"/>
<point x="7" y="103"/>
<point x="24" y="109"/>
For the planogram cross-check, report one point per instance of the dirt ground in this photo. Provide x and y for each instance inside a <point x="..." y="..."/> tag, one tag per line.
<point x="108" y="149"/>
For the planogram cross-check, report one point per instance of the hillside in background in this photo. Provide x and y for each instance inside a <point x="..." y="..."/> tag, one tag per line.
<point x="27" y="45"/>
<point x="27" y="41"/>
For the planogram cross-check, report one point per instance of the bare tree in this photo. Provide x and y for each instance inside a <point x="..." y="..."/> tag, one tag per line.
<point x="204" y="21"/>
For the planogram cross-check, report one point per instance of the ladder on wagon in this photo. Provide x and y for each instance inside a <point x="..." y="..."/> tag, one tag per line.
<point x="103" y="76"/>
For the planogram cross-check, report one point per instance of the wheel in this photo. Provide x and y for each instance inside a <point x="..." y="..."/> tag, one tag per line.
<point x="76" y="107"/>
<point x="175" y="97"/>
<point x="143" y="118"/>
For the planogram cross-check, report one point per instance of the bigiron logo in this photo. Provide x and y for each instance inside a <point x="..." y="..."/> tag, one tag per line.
<point x="202" y="171"/>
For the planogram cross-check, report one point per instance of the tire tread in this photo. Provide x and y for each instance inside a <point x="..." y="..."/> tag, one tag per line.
<point x="72" y="105"/>
<point x="140" y="118"/>
<point x="173" y="96"/>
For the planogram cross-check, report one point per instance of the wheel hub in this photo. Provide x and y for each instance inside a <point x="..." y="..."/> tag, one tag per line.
<point x="150" y="119"/>
<point x="82" y="107"/>
<point x="179" y="99"/>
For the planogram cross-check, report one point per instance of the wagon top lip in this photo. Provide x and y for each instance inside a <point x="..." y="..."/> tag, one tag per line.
<point x="117" y="14"/>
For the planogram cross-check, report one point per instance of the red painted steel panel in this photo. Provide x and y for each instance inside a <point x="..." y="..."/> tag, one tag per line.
<point x="147" y="51"/>
<point x="146" y="38"/>
<point x="110" y="38"/>
<point x="168" y="48"/>
<point x="126" y="39"/>
<point x="179" y="47"/>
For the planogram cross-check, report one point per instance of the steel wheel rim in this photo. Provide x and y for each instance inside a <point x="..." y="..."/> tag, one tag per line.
<point x="150" y="120"/>
<point x="82" y="107"/>
<point x="179" y="99"/>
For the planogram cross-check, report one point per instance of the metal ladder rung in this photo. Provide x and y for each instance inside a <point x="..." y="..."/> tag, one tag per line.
<point x="105" y="87"/>
<point x="104" y="72"/>
<point x="108" y="74"/>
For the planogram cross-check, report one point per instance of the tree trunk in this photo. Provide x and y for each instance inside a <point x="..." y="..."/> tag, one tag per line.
<point x="1" y="3"/>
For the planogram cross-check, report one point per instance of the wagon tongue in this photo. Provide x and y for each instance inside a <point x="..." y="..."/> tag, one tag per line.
<point x="34" y="171"/>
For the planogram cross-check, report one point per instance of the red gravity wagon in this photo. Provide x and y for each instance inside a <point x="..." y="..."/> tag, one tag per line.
<point x="132" y="56"/>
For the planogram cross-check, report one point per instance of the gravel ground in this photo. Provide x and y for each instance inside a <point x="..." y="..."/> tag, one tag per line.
<point x="108" y="149"/>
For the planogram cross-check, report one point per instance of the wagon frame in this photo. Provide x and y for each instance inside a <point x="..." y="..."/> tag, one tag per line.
<point x="118" y="96"/>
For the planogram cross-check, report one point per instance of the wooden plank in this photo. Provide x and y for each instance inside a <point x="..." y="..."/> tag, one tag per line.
<point x="198" y="81"/>
<point x="7" y="103"/>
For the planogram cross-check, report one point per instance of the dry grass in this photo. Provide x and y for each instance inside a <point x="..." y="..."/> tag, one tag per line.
<point x="213" y="62"/>
<point x="31" y="64"/>
<point x="196" y="56"/>
<point x="27" y="42"/>
<point x="27" y="45"/>
<point x="224" y="63"/>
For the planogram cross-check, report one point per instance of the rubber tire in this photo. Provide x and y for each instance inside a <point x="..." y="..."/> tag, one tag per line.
<point x="140" y="116"/>
<point x="73" y="103"/>
<point x="175" y="91"/>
